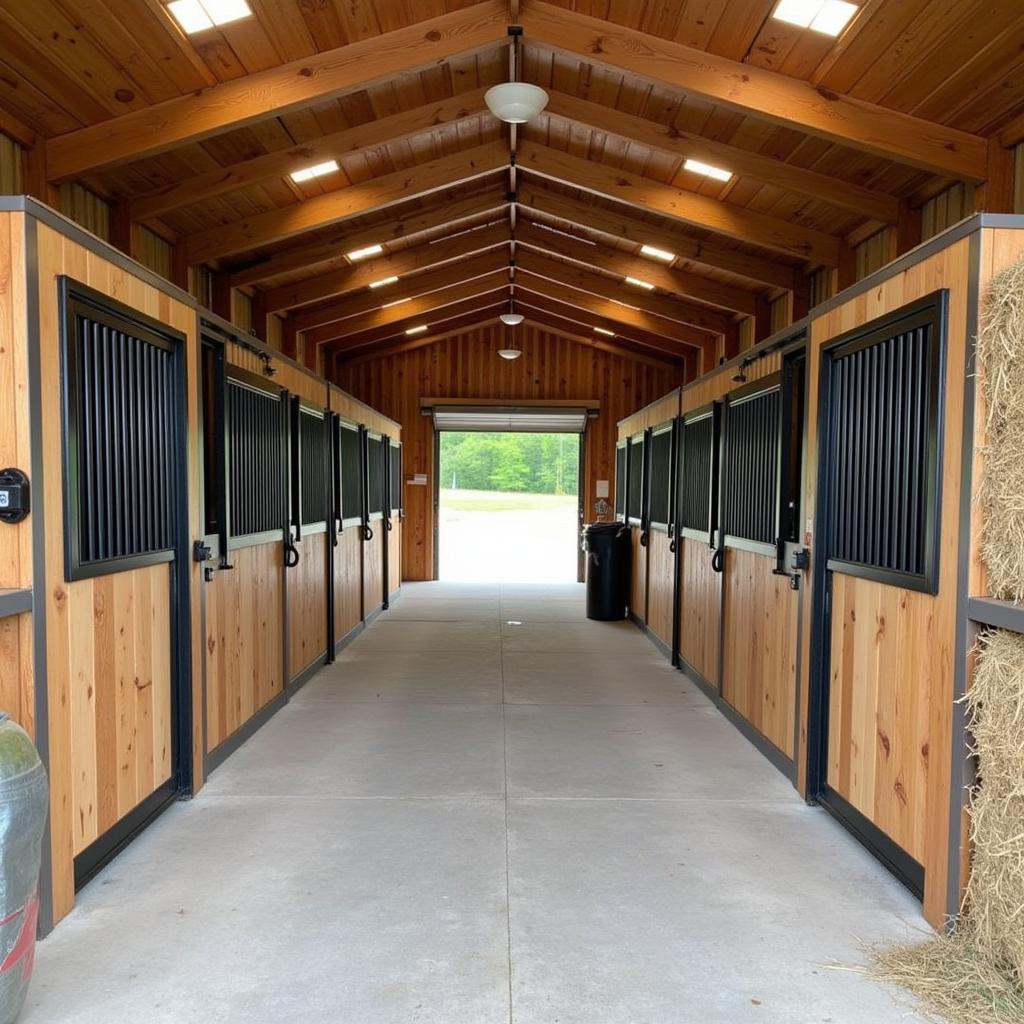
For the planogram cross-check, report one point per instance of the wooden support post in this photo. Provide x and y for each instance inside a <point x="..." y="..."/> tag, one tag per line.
<point x="908" y="229"/>
<point x="180" y="271"/>
<point x="800" y="299"/>
<point x="36" y="183"/>
<point x="259" y="315"/>
<point x="846" y="272"/>
<point x="289" y="338"/>
<point x="762" y="320"/>
<point x="121" y="233"/>
<point x="995" y="194"/>
<point x="222" y="295"/>
<point x="311" y="356"/>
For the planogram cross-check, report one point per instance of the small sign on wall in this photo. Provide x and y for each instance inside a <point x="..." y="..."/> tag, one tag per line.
<point x="419" y="480"/>
<point x="602" y="489"/>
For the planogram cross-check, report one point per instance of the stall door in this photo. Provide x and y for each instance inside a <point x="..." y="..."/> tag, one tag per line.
<point x="661" y="542"/>
<point x="348" y="514"/>
<point x="700" y="589"/>
<point x="636" y="511"/>
<point x="395" y="516"/>
<point x="876" y="579"/>
<point x="759" y="608"/>
<point x="374" y="526"/>
<point x="246" y="501"/>
<point x="126" y="606"/>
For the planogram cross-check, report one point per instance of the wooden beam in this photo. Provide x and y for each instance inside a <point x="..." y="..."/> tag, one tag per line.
<point x="276" y="91"/>
<point x="678" y="282"/>
<point x="996" y="193"/>
<point x="744" y="162"/>
<point x="678" y="204"/>
<point x="707" y="252"/>
<point x="758" y="92"/>
<point x="355" y="277"/>
<point x="16" y="129"/>
<point x="424" y="284"/>
<point x="681" y="313"/>
<point x="425" y="308"/>
<point x="345" y="203"/>
<point x="283" y="162"/>
<point x="651" y="324"/>
<point x="455" y="214"/>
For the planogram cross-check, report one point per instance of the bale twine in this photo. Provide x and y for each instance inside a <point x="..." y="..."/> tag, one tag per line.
<point x="1000" y="352"/>
<point x="975" y="975"/>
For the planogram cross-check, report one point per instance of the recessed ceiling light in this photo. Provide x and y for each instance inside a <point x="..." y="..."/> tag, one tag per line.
<point x="657" y="254"/>
<point x="417" y="330"/>
<point x="316" y="171"/>
<point x="383" y="281"/>
<point x="640" y="284"/>
<point x="394" y="302"/>
<point x="362" y="254"/>
<point x="198" y="15"/>
<point x="604" y="330"/>
<point x="827" y="16"/>
<point x="699" y="167"/>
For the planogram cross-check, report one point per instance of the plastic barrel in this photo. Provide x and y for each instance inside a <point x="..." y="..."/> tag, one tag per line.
<point x="609" y="557"/>
<point x="23" y="804"/>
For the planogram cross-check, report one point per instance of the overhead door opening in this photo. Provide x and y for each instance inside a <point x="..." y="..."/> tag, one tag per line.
<point x="508" y="497"/>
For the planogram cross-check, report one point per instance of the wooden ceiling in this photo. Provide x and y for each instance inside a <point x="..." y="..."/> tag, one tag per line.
<point x="829" y="140"/>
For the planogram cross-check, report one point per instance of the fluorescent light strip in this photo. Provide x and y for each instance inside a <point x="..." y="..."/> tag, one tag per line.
<point x="316" y="171"/>
<point x="657" y="254"/>
<point x="640" y="284"/>
<point x="829" y="17"/>
<point x="605" y="331"/>
<point x="361" y="254"/>
<point x="199" y="15"/>
<point x="417" y="330"/>
<point x="709" y="170"/>
<point x="383" y="281"/>
<point x="394" y="302"/>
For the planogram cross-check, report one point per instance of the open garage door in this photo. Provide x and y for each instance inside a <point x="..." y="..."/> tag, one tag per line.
<point x="510" y="419"/>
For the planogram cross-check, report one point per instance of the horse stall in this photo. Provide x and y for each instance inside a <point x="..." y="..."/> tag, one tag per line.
<point x="180" y="555"/>
<point x="826" y="572"/>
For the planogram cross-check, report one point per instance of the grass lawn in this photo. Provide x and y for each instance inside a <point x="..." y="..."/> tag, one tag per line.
<point x="499" y="501"/>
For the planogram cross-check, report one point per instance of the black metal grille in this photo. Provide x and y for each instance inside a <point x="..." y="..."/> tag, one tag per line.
<point x="661" y="477"/>
<point x="374" y="475"/>
<point x="883" y="432"/>
<point x="696" y="454"/>
<point x="351" y="473"/>
<point x="256" y="460"/>
<point x="750" y="471"/>
<point x="636" y="478"/>
<point x="123" y="443"/>
<point x="620" y="480"/>
<point x="395" y="478"/>
<point x="312" y="467"/>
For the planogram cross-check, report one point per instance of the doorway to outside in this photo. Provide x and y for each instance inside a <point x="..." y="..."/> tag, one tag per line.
<point x="508" y="506"/>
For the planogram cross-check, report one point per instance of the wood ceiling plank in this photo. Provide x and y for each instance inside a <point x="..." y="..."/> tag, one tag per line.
<point x="416" y="260"/>
<point x="620" y="225"/>
<point x="682" y="314"/>
<point x="455" y="213"/>
<point x="678" y="204"/>
<point x="667" y="278"/>
<point x="343" y="204"/>
<point x="754" y="91"/>
<point x="432" y="281"/>
<point x="671" y="139"/>
<point x="275" y="91"/>
<point x="283" y="162"/>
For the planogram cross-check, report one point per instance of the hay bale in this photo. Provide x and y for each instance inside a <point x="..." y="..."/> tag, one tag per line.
<point x="975" y="975"/>
<point x="1001" y="488"/>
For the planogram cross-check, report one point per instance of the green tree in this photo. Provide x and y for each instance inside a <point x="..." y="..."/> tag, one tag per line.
<point x="533" y="463"/>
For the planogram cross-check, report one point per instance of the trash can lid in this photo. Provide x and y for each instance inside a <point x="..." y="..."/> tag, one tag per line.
<point x="595" y="528"/>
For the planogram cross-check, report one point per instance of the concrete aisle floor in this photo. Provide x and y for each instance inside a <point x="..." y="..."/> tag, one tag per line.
<point x="488" y="810"/>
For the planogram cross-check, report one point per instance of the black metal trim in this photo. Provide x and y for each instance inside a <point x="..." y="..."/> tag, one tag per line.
<point x="220" y="753"/>
<point x="990" y="611"/>
<point x="15" y="602"/>
<point x="757" y="547"/>
<point x="343" y="642"/>
<point x="304" y="675"/>
<point x="875" y="841"/>
<point x="103" y="850"/>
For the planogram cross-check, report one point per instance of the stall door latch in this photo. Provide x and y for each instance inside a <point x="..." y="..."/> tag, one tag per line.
<point x="14" y="495"/>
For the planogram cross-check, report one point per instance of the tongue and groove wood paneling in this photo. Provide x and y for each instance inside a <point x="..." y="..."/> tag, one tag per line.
<point x="700" y="608"/>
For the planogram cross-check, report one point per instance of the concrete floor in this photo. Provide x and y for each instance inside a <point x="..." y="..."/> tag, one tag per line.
<point x="489" y="810"/>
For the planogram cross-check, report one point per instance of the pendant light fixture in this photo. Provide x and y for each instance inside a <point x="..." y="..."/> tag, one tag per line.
<point x="511" y="318"/>
<point x="515" y="102"/>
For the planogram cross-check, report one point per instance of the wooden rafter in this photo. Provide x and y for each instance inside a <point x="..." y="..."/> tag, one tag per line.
<point x="281" y="163"/>
<point x="424" y="284"/>
<point x="679" y="204"/>
<point x="456" y="214"/>
<point x="424" y="307"/>
<point x="679" y="282"/>
<point x="614" y="224"/>
<point x="758" y="92"/>
<point x="276" y="91"/>
<point x="676" y="311"/>
<point x="415" y="260"/>
<point x="678" y="142"/>
<point x="345" y="203"/>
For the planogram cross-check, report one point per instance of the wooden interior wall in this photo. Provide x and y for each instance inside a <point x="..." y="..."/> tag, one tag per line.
<point x="700" y="608"/>
<point x="394" y="556"/>
<point x="892" y="657"/>
<point x="307" y="604"/>
<point x="660" y="585"/>
<point x="373" y="570"/>
<point x="348" y="582"/>
<point x="108" y="638"/>
<point x="467" y="366"/>
<point x="17" y="690"/>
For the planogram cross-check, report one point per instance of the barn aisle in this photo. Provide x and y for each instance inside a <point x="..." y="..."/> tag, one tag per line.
<point x="488" y="810"/>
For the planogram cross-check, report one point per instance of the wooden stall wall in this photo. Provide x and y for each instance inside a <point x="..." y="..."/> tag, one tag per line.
<point x="891" y="668"/>
<point x="467" y="366"/>
<point x="108" y="640"/>
<point x="652" y="587"/>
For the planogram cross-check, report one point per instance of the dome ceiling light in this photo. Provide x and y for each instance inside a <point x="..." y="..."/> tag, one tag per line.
<point x="515" y="102"/>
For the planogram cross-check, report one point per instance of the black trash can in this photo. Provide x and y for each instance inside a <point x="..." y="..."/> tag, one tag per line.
<point x="609" y="557"/>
